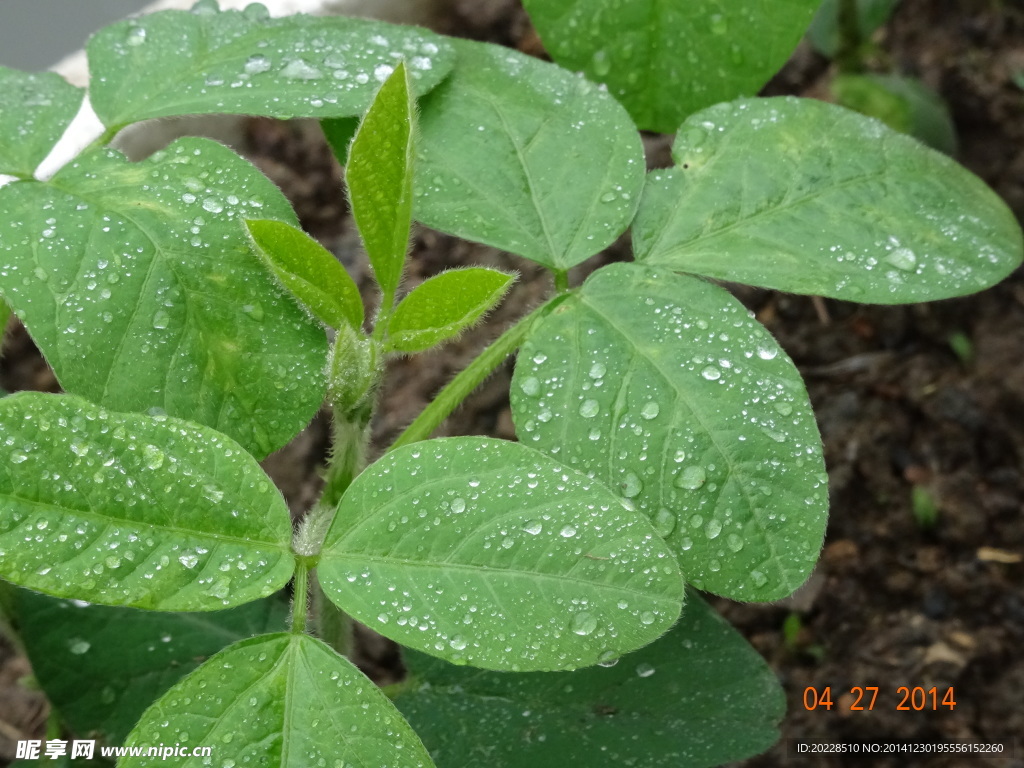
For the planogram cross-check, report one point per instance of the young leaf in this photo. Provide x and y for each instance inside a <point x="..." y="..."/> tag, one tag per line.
<point x="527" y="157"/>
<point x="35" y="109"/>
<point x="445" y="305"/>
<point x="488" y="553"/>
<point x="698" y="697"/>
<point x="101" y="667"/>
<point x="283" y="700"/>
<point x="142" y="290"/>
<point x="662" y="387"/>
<point x="309" y="271"/>
<point x="243" y="62"/>
<point x="666" y="60"/>
<point x="379" y="177"/>
<point x="803" y="196"/>
<point x="905" y="104"/>
<point x="824" y="31"/>
<point x="126" y="509"/>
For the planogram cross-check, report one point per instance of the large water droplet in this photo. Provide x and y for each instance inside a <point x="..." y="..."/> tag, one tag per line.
<point x="533" y="527"/>
<point x="691" y="478"/>
<point x="602" y="63"/>
<point x="530" y="386"/>
<point x="300" y="69"/>
<point x="256" y="64"/>
<point x="664" y="522"/>
<point x="161" y="320"/>
<point x="903" y="258"/>
<point x="589" y="408"/>
<point x="153" y="457"/>
<point x="583" y="623"/>
<point x="650" y="410"/>
<point x="598" y="370"/>
<point x="78" y="646"/>
<point x="713" y="528"/>
<point x="711" y="373"/>
<point x="135" y="36"/>
<point x="631" y="485"/>
<point x="734" y="542"/>
<point x="644" y="670"/>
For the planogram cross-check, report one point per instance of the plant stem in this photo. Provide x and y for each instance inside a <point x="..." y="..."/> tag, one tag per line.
<point x="470" y="377"/>
<point x="300" y="598"/>
<point x="348" y="456"/>
<point x="333" y="625"/>
<point x="848" y="50"/>
<point x="561" y="280"/>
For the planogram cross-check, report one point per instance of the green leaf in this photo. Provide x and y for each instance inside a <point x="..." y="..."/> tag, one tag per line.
<point x="905" y="104"/>
<point x="445" y="305"/>
<point x="243" y="62"/>
<point x="127" y="509"/>
<point x="339" y="133"/>
<point x="35" y="109"/>
<point x="699" y="696"/>
<point x="666" y="60"/>
<point x="282" y="700"/>
<point x="824" y="29"/>
<point x="142" y="290"/>
<point x="662" y="387"/>
<point x="309" y="271"/>
<point x="527" y="157"/>
<point x="803" y="196"/>
<point x="102" y="667"/>
<point x="379" y="177"/>
<point x="485" y="552"/>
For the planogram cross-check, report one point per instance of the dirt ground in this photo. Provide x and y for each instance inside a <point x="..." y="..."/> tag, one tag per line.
<point x="918" y="406"/>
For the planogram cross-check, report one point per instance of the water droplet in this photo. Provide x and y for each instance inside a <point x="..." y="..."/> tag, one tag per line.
<point x="583" y="623"/>
<point x="458" y="643"/>
<point x="711" y="373"/>
<point x="602" y="64"/>
<point x="530" y="386"/>
<point x="758" y="578"/>
<point x="903" y="258"/>
<point x="664" y="522"/>
<point x="153" y="457"/>
<point x="458" y="505"/>
<point x="608" y="197"/>
<point x="533" y="527"/>
<point x="135" y="36"/>
<point x="650" y="410"/>
<point x="647" y="618"/>
<point x="631" y="485"/>
<point x="719" y="25"/>
<point x="567" y="532"/>
<point x="783" y="408"/>
<point x="644" y="670"/>
<point x="78" y="646"/>
<point x="212" y="205"/>
<point x="589" y="408"/>
<point x="608" y="659"/>
<point x="597" y="371"/>
<point x="256" y="64"/>
<point x="691" y="478"/>
<point x="161" y="320"/>
<point x="767" y="353"/>
<point x="300" y="69"/>
<point x="713" y="528"/>
<point x="734" y="542"/>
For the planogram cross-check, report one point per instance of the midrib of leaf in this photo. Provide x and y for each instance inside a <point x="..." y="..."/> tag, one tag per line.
<point x="769" y="540"/>
<point x="489" y="571"/>
<point x="527" y="177"/>
<point x="92" y="515"/>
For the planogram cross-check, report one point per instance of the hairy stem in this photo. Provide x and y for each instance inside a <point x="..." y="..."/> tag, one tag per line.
<point x="469" y="378"/>
<point x="300" y="599"/>
<point x="348" y="457"/>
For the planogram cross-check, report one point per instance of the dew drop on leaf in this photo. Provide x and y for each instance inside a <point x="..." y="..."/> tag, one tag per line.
<point x="644" y="670"/>
<point x="584" y="623"/>
<point x="589" y="408"/>
<point x="691" y="478"/>
<point x="650" y="410"/>
<point x="664" y="522"/>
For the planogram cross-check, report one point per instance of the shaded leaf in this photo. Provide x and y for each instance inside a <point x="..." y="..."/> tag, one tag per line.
<point x="666" y="60"/>
<point x="824" y="29"/>
<point x="127" y="509"/>
<point x="244" y="62"/>
<point x="309" y="271"/>
<point x="699" y="696"/>
<point x="527" y="157"/>
<point x="663" y="388"/>
<point x="444" y="306"/>
<point x="339" y="133"/>
<point x="35" y="109"/>
<point x="101" y="667"/>
<point x="282" y="700"/>
<point x="142" y="290"/>
<point x="803" y="196"/>
<point x="485" y="552"/>
<point x="379" y="177"/>
<point x="903" y="103"/>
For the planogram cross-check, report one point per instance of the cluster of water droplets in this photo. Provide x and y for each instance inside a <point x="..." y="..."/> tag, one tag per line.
<point x="128" y="509"/>
<point x="518" y="563"/>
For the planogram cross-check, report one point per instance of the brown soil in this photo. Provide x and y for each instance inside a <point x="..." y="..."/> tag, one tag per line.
<point x="894" y="601"/>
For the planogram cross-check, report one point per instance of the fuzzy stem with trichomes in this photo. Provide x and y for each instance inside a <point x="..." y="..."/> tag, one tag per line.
<point x="470" y="377"/>
<point x="300" y="596"/>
